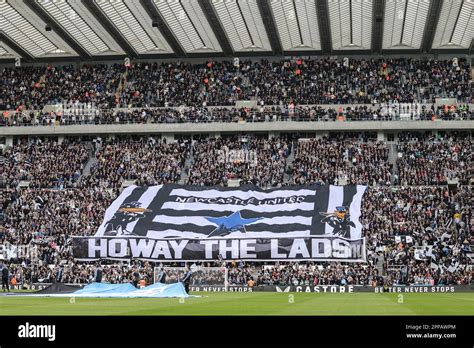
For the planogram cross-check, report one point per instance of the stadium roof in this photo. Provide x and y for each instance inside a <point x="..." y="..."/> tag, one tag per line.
<point x="44" y="30"/>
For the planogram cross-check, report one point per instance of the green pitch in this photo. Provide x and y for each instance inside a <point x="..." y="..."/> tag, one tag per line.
<point x="249" y="304"/>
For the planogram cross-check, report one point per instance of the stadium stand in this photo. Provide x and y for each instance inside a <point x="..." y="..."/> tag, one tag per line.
<point x="433" y="162"/>
<point x="418" y="202"/>
<point x="236" y="158"/>
<point x="427" y="112"/>
<point x="408" y="197"/>
<point x="147" y="161"/>
<point x="336" y="162"/>
<point x="31" y="88"/>
<point x="250" y="160"/>
<point x="45" y="163"/>
<point x="303" y="82"/>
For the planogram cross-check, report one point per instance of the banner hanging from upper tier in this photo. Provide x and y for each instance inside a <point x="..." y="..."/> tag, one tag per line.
<point x="179" y="223"/>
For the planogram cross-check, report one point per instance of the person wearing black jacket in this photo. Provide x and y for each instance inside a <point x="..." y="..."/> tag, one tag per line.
<point x="162" y="276"/>
<point x="5" y="275"/>
<point x="98" y="274"/>
<point x="59" y="275"/>
<point x="187" y="279"/>
<point x="135" y="278"/>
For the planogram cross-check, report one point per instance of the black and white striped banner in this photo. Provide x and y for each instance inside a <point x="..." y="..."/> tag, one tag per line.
<point x="173" y="212"/>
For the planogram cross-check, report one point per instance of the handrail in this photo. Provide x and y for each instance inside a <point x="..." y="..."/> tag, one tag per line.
<point x="205" y="115"/>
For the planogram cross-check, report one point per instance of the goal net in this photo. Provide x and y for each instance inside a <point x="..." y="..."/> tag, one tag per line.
<point x="201" y="276"/>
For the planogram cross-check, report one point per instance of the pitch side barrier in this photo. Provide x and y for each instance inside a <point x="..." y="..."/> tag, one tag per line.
<point x="336" y="288"/>
<point x="41" y="286"/>
<point x="300" y="288"/>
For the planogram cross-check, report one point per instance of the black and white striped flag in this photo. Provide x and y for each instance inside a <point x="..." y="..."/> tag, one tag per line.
<point x="183" y="223"/>
<point x="173" y="211"/>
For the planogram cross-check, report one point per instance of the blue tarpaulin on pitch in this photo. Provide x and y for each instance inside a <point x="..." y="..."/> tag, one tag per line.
<point x="104" y="288"/>
<point x="98" y="290"/>
<point x="129" y="291"/>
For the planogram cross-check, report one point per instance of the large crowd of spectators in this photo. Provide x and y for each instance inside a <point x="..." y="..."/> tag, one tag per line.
<point x="237" y="115"/>
<point x="418" y="230"/>
<point x="44" y="163"/>
<point x="286" y="84"/>
<point x="250" y="160"/>
<point x="45" y="220"/>
<point x="145" y="161"/>
<point x="415" y="234"/>
<point x="31" y="88"/>
<point x="439" y="222"/>
<point x="39" y="215"/>
<point x="435" y="161"/>
<point x="301" y="113"/>
<point x="347" y="161"/>
<point x="301" y="81"/>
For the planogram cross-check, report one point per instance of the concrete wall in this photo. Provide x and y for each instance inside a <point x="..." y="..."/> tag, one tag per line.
<point x="272" y="127"/>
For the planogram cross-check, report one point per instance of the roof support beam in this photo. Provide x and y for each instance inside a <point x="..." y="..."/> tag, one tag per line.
<point x="36" y="8"/>
<point x="163" y="27"/>
<point x="111" y="29"/>
<point x="18" y="49"/>
<point x="216" y="26"/>
<point x="431" y="25"/>
<point x="377" y="25"/>
<point x="324" y="29"/>
<point x="270" y="26"/>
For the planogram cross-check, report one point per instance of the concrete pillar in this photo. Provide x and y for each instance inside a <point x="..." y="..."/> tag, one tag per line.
<point x="380" y="136"/>
<point x="9" y="141"/>
<point x="169" y="138"/>
<point x="209" y="135"/>
<point x="273" y="134"/>
<point x="60" y="139"/>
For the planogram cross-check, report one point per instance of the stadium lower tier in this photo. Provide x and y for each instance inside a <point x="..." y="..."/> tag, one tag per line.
<point x="416" y="213"/>
<point x="414" y="235"/>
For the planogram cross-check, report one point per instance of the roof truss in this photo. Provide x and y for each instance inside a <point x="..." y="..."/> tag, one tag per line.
<point x="149" y="29"/>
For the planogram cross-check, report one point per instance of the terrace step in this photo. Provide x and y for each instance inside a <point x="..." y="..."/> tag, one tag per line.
<point x="392" y="158"/>
<point x="379" y="265"/>
<point x="90" y="162"/>
<point x="287" y="178"/>
<point x="187" y="167"/>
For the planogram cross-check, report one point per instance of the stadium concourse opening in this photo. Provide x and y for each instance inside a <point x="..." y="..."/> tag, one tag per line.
<point x="259" y="157"/>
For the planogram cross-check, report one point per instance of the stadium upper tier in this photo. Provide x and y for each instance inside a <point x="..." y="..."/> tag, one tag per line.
<point x="285" y="82"/>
